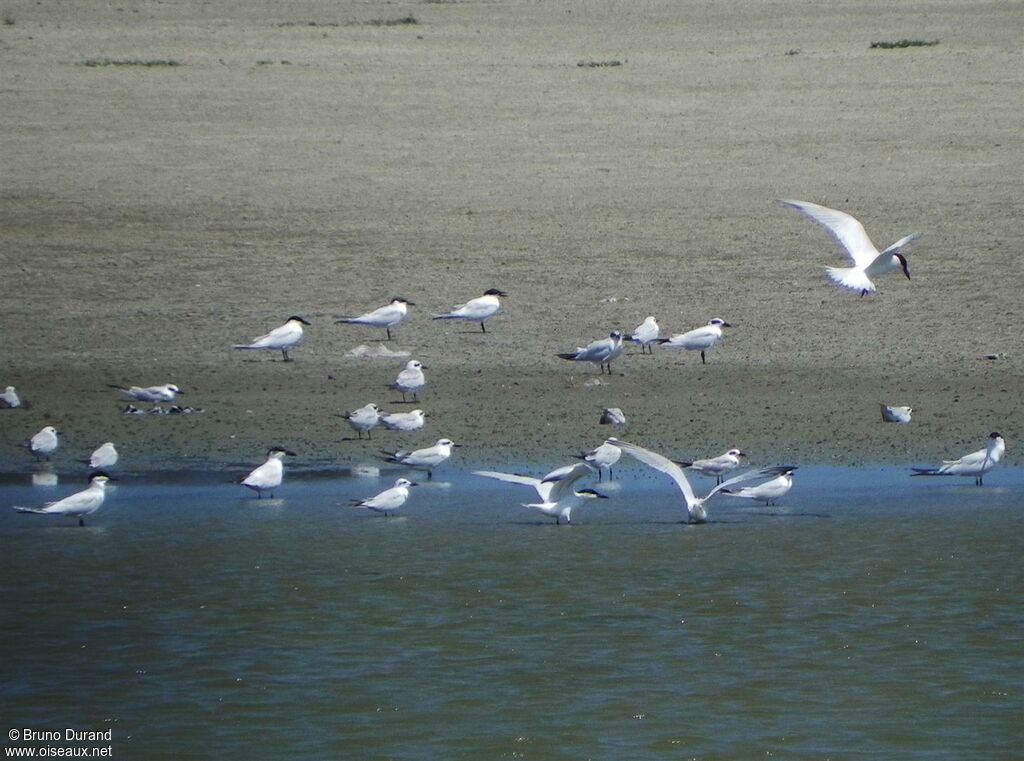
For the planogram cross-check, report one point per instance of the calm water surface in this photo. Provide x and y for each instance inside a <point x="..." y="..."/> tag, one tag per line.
<point x="870" y="615"/>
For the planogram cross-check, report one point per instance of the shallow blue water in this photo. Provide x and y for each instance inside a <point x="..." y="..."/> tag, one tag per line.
<point x="869" y="615"/>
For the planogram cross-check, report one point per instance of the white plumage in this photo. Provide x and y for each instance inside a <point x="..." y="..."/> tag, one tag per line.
<point x="975" y="464"/>
<point x="270" y="474"/>
<point x="699" y="339"/>
<point x="77" y="505"/>
<point x="480" y="309"/>
<point x="286" y="337"/>
<point x="557" y="490"/>
<point x="389" y="500"/>
<point x="385" y="317"/>
<point x="850" y="234"/>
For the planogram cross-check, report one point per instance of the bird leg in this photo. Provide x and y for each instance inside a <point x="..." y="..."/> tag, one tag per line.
<point x="703" y="361"/>
<point x="389" y="333"/>
<point x="285" y="353"/>
<point x="483" y="327"/>
<point x="81" y="521"/>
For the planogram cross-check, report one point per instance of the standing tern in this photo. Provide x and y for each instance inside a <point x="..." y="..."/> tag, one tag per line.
<point x="364" y="419"/>
<point x="600" y="352"/>
<point x="281" y="339"/>
<point x="9" y="399"/>
<point x="647" y="333"/>
<point x="78" y="505"/>
<point x="44" y="443"/>
<point x="601" y="458"/>
<point x="699" y="339"/>
<point x="389" y="500"/>
<point x="385" y="317"/>
<point x="696" y="512"/>
<point x="850" y="234"/>
<point x="896" y="414"/>
<point x="479" y="309"/>
<point x="769" y="491"/>
<point x="411" y="379"/>
<point x="715" y="466"/>
<point x="975" y="464"/>
<point x="426" y="459"/>
<point x="165" y="393"/>
<point x="403" y="421"/>
<point x="105" y="456"/>
<point x="269" y="475"/>
<point x="557" y="490"/>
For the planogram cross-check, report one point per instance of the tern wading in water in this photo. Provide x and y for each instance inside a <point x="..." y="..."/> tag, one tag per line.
<point x="557" y="490"/>
<point x="78" y="505"/>
<point x="975" y="464"/>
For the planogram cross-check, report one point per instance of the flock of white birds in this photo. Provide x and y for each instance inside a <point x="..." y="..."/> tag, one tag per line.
<point x="557" y="492"/>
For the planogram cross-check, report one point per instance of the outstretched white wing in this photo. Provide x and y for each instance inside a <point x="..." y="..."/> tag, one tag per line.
<point x="539" y="486"/>
<point x="562" y="482"/>
<point x="847" y="231"/>
<point x="663" y="464"/>
<point x="896" y="247"/>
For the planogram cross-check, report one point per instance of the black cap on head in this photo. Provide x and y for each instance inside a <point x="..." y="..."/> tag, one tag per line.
<point x="303" y="320"/>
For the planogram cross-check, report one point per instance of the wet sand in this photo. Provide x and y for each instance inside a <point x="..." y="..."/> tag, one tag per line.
<point x="318" y="159"/>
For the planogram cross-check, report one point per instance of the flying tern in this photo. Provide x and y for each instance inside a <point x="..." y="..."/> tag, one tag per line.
<point x="105" y="456"/>
<point x="600" y="352"/>
<point x="557" y="490"/>
<point x="715" y="466"/>
<point x="975" y="464"/>
<point x="364" y="419"/>
<point x="896" y="414"/>
<point x="767" y="492"/>
<point x="286" y="337"/>
<point x="479" y="309"/>
<point x="696" y="511"/>
<point x="646" y="334"/>
<point x="165" y="393"/>
<point x="389" y="500"/>
<point x="602" y="458"/>
<point x="78" y="505"/>
<point x="269" y="475"/>
<point x="426" y="459"/>
<point x="411" y="380"/>
<point x="699" y="339"/>
<point x="9" y="399"/>
<point x="850" y="234"/>
<point x="385" y="317"/>
<point x="403" y="421"/>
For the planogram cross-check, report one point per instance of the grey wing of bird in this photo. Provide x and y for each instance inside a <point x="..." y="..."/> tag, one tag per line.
<point x="770" y="471"/>
<point x="564" y="480"/>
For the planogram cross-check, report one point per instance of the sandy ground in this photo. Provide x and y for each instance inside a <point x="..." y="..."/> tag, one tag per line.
<point x="307" y="158"/>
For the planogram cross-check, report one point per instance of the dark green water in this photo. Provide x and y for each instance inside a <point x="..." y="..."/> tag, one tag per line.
<point x="869" y="616"/>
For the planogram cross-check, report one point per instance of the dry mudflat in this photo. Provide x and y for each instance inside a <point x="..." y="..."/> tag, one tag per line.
<point x="598" y="161"/>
